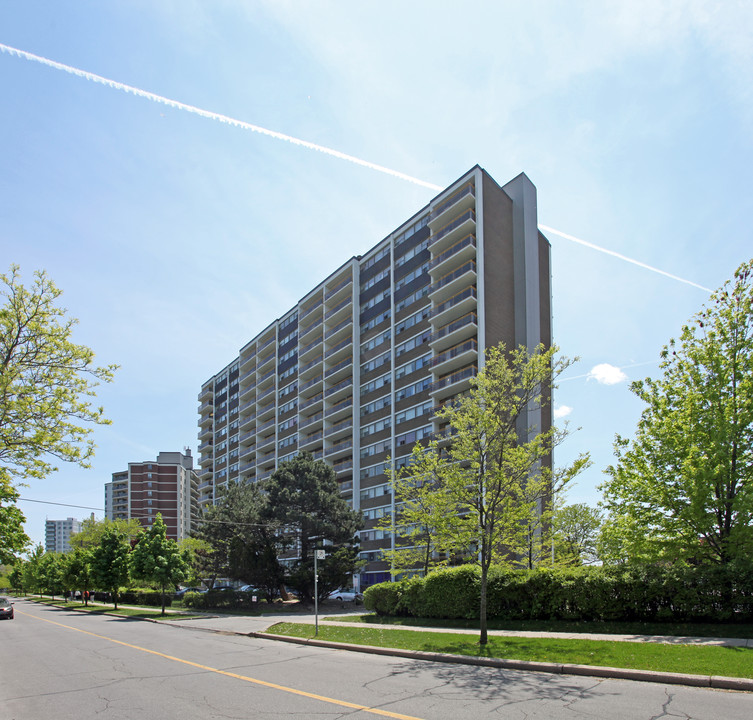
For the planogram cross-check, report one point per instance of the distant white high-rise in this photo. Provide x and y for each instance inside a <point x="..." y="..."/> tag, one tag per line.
<point x="57" y="536"/>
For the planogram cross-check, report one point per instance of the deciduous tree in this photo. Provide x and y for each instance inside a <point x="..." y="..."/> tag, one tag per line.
<point x="158" y="559"/>
<point x="682" y="488"/>
<point x="110" y="566"/>
<point x="495" y="469"/>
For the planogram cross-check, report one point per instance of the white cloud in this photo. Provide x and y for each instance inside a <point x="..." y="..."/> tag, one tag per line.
<point x="607" y="374"/>
<point x="562" y="411"/>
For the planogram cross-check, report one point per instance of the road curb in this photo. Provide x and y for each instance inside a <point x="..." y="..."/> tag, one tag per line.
<point x="709" y="681"/>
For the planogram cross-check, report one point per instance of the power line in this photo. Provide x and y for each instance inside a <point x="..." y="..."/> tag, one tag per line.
<point x="50" y="502"/>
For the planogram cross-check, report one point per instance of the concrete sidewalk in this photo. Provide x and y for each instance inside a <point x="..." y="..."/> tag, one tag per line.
<point x="245" y="625"/>
<point x="256" y="627"/>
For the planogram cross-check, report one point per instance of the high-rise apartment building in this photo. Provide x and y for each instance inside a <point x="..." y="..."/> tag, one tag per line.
<point x="354" y="372"/>
<point x="57" y="534"/>
<point x="168" y="486"/>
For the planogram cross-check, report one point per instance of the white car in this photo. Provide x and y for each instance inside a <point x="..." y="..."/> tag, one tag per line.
<point x="343" y="595"/>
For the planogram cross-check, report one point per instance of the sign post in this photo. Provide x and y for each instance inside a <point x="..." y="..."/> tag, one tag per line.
<point x="318" y="555"/>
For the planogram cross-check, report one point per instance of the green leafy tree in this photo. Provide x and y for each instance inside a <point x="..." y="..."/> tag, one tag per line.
<point x="13" y="539"/>
<point x="32" y="577"/>
<point x="303" y="497"/>
<point x="16" y="576"/>
<point x="46" y="386"/>
<point x="424" y="509"/>
<point x="683" y="487"/>
<point x="77" y="572"/>
<point x="576" y="534"/>
<point x="158" y="559"/>
<point x="496" y="468"/>
<point x="50" y="573"/>
<point x="110" y="565"/>
<point x="92" y="531"/>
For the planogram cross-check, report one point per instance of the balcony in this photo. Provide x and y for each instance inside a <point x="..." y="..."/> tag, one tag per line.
<point x="248" y="421"/>
<point x="455" y="357"/>
<point x="264" y="379"/>
<point x="311" y="308"/>
<point x="265" y="411"/>
<point x="463" y="198"/>
<point x="206" y="433"/>
<point x="344" y="427"/>
<point x="303" y="369"/>
<point x="309" y="440"/>
<point x="338" y="329"/>
<point x="453" y="383"/>
<point x="310" y="420"/>
<point x="340" y="390"/>
<point x="453" y="282"/>
<point x="247" y="452"/>
<point x="206" y="460"/>
<point x="335" y="372"/>
<point x="305" y="331"/>
<point x="456" y="306"/>
<point x="261" y="459"/>
<point x="337" y="288"/>
<point x="265" y="364"/>
<point x="454" y="332"/>
<point x="311" y="401"/>
<point x="266" y="343"/>
<point x="343" y="465"/>
<point x="260" y="396"/>
<point x="337" y="448"/>
<point x="206" y="394"/>
<point x="265" y="444"/>
<point x="266" y="425"/>
<point x="204" y="446"/>
<point x="337" y="311"/>
<point x="339" y="410"/>
<point x="342" y="348"/>
<point x="462" y="250"/>
<point x="455" y="229"/>
<point x="303" y="353"/>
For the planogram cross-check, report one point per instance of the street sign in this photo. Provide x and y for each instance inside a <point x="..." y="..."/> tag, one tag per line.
<point x="321" y="554"/>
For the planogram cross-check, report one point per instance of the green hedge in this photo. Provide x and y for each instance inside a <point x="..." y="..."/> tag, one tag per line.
<point x="150" y="598"/>
<point x="217" y="600"/>
<point x="648" y="593"/>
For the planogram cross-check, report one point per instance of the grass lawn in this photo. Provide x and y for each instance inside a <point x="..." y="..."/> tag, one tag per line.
<point x="693" y="659"/>
<point x="729" y="630"/>
<point x="108" y="609"/>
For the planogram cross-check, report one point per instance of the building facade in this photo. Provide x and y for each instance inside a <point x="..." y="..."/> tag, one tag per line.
<point x="57" y="534"/>
<point x="168" y="486"/>
<point x="355" y="372"/>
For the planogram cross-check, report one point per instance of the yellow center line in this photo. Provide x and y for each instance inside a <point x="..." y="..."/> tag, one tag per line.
<point x="255" y="681"/>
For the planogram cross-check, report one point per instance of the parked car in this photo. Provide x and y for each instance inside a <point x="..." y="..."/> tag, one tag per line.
<point x="222" y="588"/>
<point x="180" y="593"/>
<point x="6" y="609"/>
<point x="343" y="595"/>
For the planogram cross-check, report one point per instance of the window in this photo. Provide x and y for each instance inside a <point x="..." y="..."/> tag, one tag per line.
<point x="414" y="412"/>
<point x="412" y="320"/>
<point x="375" y="427"/>
<point x="374" y="280"/>
<point x="375" y="363"/>
<point x="375" y="449"/>
<point x="380" y="404"/>
<point x="406" y="301"/>
<point x="376" y="341"/>
<point x="376" y="491"/>
<point x="375" y="384"/>
<point x="376" y="299"/>
<point x="414" y="342"/>
<point x="412" y="275"/>
<point x="410" y="367"/>
<point x="375" y="321"/>
<point x="290" y="405"/>
<point x="414" y="389"/>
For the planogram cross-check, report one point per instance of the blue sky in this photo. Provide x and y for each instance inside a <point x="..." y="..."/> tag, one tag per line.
<point x="176" y="238"/>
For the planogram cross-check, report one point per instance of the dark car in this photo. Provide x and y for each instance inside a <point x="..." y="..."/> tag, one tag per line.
<point x="183" y="591"/>
<point x="6" y="609"/>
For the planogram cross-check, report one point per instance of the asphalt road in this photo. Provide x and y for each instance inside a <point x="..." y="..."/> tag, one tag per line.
<point x="60" y="664"/>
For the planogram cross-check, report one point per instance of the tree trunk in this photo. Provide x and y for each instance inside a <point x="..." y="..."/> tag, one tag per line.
<point x="483" y="635"/>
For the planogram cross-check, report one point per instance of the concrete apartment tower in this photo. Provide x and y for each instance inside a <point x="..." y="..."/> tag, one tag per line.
<point x="168" y="486"/>
<point x="355" y="371"/>
<point x="57" y="534"/>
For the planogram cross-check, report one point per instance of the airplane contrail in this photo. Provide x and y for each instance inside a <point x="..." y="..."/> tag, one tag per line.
<point x="622" y="257"/>
<point x="303" y="143"/>
<point x="213" y="115"/>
